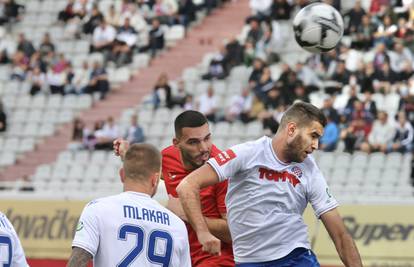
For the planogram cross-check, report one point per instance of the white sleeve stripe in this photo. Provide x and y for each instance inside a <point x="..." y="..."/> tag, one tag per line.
<point x="83" y="246"/>
<point x="326" y="209"/>
<point x="213" y="164"/>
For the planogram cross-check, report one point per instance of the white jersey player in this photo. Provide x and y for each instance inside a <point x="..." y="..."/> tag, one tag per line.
<point x="271" y="181"/>
<point x="11" y="251"/>
<point x="132" y="229"/>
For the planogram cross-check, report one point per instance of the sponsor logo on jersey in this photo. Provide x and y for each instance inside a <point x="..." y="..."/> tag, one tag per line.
<point x="276" y="176"/>
<point x="297" y="171"/>
<point x="79" y="226"/>
<point x="225" y="157"/>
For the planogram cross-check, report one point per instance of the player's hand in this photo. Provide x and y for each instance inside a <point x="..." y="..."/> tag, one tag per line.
<point x="120" y="147"/>
<point x="175" y="206"/>
<point x="210" y="243"/>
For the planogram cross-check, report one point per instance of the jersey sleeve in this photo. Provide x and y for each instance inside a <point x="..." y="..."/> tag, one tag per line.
<point x="18" y="259"/>
<point x="87" y="231"/>
<point x="229" y="162"/>
<point x="221" y="191"/>
<point x="319" y="195"/>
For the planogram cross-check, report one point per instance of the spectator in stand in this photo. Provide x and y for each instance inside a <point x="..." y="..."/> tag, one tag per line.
<point x="258" y="66"/>
<point x="46" y="46"/>
<point x="156" y="37"/>
<point x="98" y="81"/>
<point x="162" y="92"/>
<point x="178" y="98"/>
<point x="103" y="39"/>
<point x="106" y="136"/>
<point x="240" y="107"/>
<point x="3" y="118"/>
<point x="217" y="66"/>
<point x="341" y="74"/>
<point x="400" y="56"/>
<point x="354" y="17"/>
<point x="165" y="11"/>
<point x="255" y="33"/>
<point x="385" y="77"/>
<point x="369" y="104"/>
<point x="78" y="135"/>
<point x="113" y="17"/>
<point x="330" y="138"/>
<point x="124" y="44"/>
<point x="81" y="78"/>
<point x="186" y="12"/>
<point x="264" y="84"/>
<point x="67" y="13"/>
<point x="281" y="10"/>
<point x="359" y="126"/>
<point x="362" y="38"/>
<point x="189" y="103"/>
<point x="265" y="47"/>
<point x="328" y="109"/>
<point x="380" y="56"/>
<point x="249" y="53"/>
<point x="385" y="31"/>
<point x="234" y="53"/>
<point x="380" y="136"/>
<point x="403" y="138"/>
<point x="95" y="19"/>
<point x="308" y="77"/>
<point x="136" y="18"/>
<point x="56" y="78"/>
<point x="25" y="46"/>
<point x="37" y="79"/>
<point x="20" y="65"/>
<point x="134" y="133"/>
<point x="300" y="93"/>
<point x="207" y="104"/>
<point x="260" y="8"/>
<point x="11" y="12"/>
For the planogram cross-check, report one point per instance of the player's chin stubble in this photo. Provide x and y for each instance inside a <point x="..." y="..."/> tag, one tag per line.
<point x="295" y="149"/>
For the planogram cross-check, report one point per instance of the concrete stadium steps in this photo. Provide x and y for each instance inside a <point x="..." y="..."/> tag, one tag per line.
<point x="207" y="37"/>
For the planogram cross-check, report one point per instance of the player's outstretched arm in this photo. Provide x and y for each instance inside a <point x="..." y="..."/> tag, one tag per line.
<point x="343" y="241"/>
<point x="79" y="258"/>
<point x="188" y="192"/>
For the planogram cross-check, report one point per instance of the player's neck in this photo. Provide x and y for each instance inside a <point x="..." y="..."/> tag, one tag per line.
<point x="278" y="145"/>
<point x="137" y="187"/>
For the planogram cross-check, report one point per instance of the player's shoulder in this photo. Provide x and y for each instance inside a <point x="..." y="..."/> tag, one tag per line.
<point x="253" y="146"/>
<point x="309" y="164"/>
<point x="170" y="151"/>
<point x="100" y="203"/>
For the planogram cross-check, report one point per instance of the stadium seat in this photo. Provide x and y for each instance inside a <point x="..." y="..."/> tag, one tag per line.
<point x="43" y="172"/>
<point x="26" y="144"/>
<point x="342" y="161"/>
<point x="7" y="158"/>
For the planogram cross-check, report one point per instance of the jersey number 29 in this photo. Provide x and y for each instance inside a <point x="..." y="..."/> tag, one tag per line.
<point x="151" y="249"/>
<point x="6" y="241"/>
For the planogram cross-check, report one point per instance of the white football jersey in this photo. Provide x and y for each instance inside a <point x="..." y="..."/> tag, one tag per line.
<point x="132" y="229"/>
<point x="266" y="199"/>
<point x="11" y="251"/>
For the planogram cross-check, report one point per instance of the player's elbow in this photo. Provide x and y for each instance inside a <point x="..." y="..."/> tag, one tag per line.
<point x="185" y="187"/>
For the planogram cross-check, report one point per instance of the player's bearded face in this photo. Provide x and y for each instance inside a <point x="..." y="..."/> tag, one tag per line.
<point x="304" y="143"/>
<point x="195" y="145"/>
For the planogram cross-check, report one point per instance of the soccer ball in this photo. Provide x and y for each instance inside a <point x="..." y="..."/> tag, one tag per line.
<point x="318" y="27"/>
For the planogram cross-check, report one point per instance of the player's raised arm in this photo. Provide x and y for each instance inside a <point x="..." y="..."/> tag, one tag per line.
<point x="188" y="191"/>
<point x="344" y="243"/>
<point x="79" y="258"/>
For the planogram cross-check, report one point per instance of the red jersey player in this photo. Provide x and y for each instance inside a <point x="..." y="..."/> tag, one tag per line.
<point x="191" y="148"/>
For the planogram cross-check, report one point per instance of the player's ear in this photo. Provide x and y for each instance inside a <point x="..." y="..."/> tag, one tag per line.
<point x="291" y="128"/>
<point x="175" y="141"/>
<point x="122" y="174"/>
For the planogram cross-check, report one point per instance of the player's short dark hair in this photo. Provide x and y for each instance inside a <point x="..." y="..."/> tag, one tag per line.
<point x="303" y="114"/>
<point x="141" y="161"/>
<point x="189" y="118"/>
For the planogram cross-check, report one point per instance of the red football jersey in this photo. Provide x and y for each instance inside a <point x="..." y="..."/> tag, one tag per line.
<point x="212" y="200"/>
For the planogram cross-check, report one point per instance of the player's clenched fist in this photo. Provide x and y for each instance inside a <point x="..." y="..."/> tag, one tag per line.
<point x="120" y="147"/>
<point x="210" y="243"/>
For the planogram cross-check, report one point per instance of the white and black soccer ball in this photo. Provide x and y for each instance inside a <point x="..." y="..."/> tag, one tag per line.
<point x="318" y="27"/>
